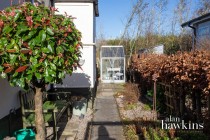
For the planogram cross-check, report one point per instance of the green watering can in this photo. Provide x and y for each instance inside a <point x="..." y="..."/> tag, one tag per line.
<point x="25" y="134"/>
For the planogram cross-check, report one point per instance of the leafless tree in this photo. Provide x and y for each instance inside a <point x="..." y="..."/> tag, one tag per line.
<point x="180" y="12"/>
<point x="204" y="7"/>
<point x="161" y="7"/>
<point x="133" y="26"/>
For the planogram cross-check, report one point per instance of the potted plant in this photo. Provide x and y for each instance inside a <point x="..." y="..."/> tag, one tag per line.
<point x="79" y="105"/>
<point x="37" y="48"/>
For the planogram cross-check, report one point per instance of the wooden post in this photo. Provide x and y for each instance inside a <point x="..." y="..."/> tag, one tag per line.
<point x="175" y="101"/>
<point x="154" y="78"/>
<point x="154" y="96"/>
<point x="207" y="120"/>
<point x="182" y="102"/>
<point x="208" y="106"/>
<point x="198" y="105"/>
<point x="170" y="100"/>
<point x="194" y="104"/>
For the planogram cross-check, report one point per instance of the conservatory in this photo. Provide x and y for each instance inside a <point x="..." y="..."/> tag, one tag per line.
<point x="112" y="64"/>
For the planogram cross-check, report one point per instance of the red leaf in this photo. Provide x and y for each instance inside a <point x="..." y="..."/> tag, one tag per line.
<point x="12" y="13"/>
<point x="37" y="25"/>
<point x="25" y="44"/>
<point x="11" y="50"/>
<point x="47" y="21"/>
<point x="30" y="52"/>
<point x="1" y="23"/>
<point x="53" y="9"/>
<point x="41" y="60"/>
<point x="29" y="20"/>
<point x="65" y="34"/>
<point x="6" y="65"/>
<point x="25" y="51"/>
<point x="8" y="70"/>
<point x="69" y="29"/>
<point x="21" y="68"/>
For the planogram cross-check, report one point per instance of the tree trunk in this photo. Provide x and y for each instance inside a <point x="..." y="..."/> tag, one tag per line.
<point x="39" y="118"/>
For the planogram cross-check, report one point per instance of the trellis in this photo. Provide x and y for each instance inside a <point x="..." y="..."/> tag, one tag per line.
<point x="176" y="99"/>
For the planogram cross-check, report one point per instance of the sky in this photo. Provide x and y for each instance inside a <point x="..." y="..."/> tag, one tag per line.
<point x="112" y="17"/>
<point x="114" y="13"/>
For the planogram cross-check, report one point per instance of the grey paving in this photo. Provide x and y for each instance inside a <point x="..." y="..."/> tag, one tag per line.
<point x="70" y="131"/>
<point x="106" y="124"/>
<point x="106" y="121"/>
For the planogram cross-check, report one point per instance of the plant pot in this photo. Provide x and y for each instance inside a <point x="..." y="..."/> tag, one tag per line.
<point x="80" y="107"/>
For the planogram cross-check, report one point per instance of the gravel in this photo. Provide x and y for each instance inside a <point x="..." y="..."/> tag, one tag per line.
<point x="138" y="112"/>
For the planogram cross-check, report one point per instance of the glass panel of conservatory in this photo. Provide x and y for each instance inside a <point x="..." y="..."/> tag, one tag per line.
<point x="113" y="69"/>
<point x="112" y="64"/>
<point x="112" y="52"/>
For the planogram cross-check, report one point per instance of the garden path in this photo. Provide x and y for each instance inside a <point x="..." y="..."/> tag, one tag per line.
<point x="106" y="123"/>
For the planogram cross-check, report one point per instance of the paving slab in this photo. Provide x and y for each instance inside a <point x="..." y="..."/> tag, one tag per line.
<point x="70" y="131"/>
<point x="106" y="123"/>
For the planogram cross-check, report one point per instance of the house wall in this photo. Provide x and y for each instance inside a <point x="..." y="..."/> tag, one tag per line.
<point x="203" y="29"/>
<point x="8" y="98"/>
<point x="202" y="35"/>
<point x="85" y="22"/>
<point x="84" y="18"/>
<point x="8" y="95"/>
<point x="6" y="3"/>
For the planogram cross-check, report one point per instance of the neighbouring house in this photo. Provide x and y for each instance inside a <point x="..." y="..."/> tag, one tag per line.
<point x="82" y="81"/>
<point x="201" y="31"/>
<point x="159" y="49"/>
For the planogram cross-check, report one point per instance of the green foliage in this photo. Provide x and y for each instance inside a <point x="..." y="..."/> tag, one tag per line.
<point x="192" y="135"/>
<point x="131" y="135"/>
<point x="171" y="44"/>
<point x="36" y="46"/>
<point x="159" y="101"/>
<point x="150" y="93"/>
<point x="130" y="106"/>
<point x="147" y="107"/>
<point x="130" y="132"/>
<point x="161" y="134"/>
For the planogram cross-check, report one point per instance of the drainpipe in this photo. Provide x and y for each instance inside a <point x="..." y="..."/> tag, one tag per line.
<point x="51" y="3"/>
<point x="194" y="33"/>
